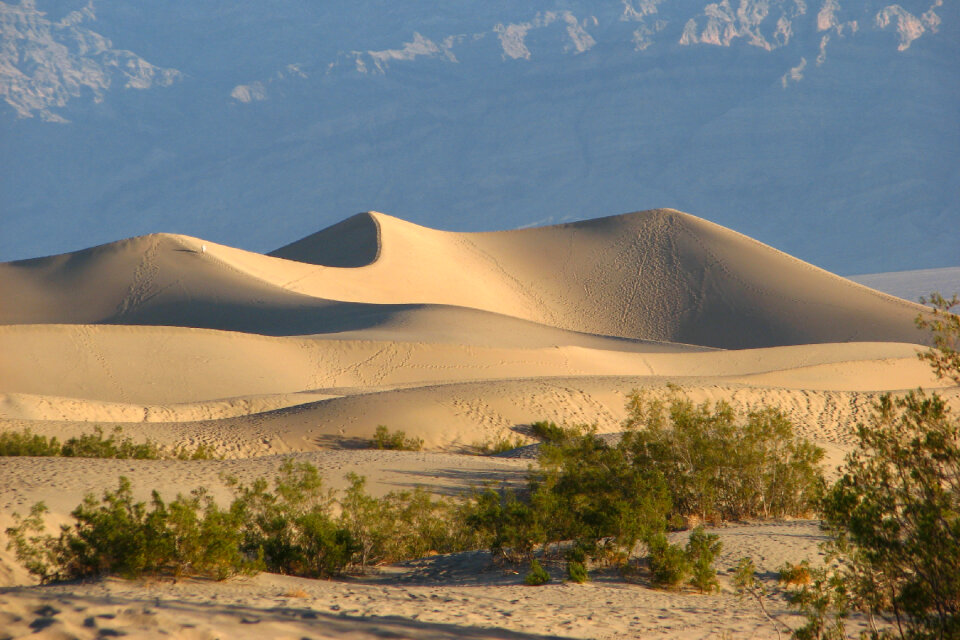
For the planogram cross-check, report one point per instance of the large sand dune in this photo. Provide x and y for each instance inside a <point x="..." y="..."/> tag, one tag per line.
<point x="656" y="275"/>
<point x="455" y="338"/>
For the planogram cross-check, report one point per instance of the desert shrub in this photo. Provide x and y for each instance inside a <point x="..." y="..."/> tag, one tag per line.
<point x="93" y="445"/>
<point x="549" y="431"/>
<point x="511" y="527"/>
<point x="201" y="452"/>
<point x="26" y="443"/>
<point x="396" y="441"/>
<point x="825" y="604"/>
<point x="669" y="563"/>
<point x="577" y="572"/>
<point x="718" y="467"/>
<point x="292" y="528"/>
<point x="401" y="525"/>
<point x="945" y="329"/>
<point x="296" y="527"/>
<point x="538" y="575"/>
<point x="500" y="445"/>
<point x="894" y="517"/>
<point x="121" y="536"/>
<point x="894" y="514"/>
<point x="585" y="491"/>
<point x="702" y="550"/>
<point x="589" y="492"/>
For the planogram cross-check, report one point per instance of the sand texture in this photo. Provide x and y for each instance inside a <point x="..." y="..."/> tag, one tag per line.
<point x="455" y="338"/>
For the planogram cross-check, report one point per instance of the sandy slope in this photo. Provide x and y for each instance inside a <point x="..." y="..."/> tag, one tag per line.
<point x="455" y="338"/>
<point x="655" y="275"/>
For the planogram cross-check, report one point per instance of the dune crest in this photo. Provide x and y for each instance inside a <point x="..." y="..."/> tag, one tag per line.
<point x="657" y="275"/>
<point x="351" y="243"/>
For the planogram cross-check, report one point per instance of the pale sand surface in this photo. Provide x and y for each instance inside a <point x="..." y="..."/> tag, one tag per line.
<point x="455" y="338"/>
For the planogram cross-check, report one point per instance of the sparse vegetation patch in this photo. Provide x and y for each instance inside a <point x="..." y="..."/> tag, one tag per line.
<point x="94" y="445"/>
<point x="396" y="441"/>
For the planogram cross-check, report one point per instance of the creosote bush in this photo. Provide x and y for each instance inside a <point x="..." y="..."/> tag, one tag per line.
<point x="538" y="575"/>
<point x="499" y="445"/>
<point x="673" y="461"/>
<point x="124" y="537"/>
<point x="396" y="441"/>
<point x="549" y="432"/>
<point x="93" y="445"/>
<point x="297" y="527"/>
<point x="594" y="499"/>
<point x="702" y="550"/>
<point x="893" y="516"/>
<point x="894" y="522"/>
<point x="577" y="572"/>
<point x="671" y="565"/>
<point x="26" y="443"/>
<point x="717" y="467"/>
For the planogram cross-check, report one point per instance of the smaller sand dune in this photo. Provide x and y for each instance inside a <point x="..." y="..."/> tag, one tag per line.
<point x="165" y="365"/>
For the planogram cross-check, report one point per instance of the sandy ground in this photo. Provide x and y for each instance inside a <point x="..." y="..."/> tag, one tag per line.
<point x="458" y="339"/>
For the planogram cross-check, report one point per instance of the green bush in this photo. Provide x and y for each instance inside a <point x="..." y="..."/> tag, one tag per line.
<point x="401" y="525"/>
<point x="669" y="563"/>
<point x="396" y="441"/>
<point x="292" y="528"/>
<point x="584" y="490"/>
<point x="590" y="492"/>
<point x="512" y="528"/>
<point x="500" y="445"/>
<point x="201" y="452"/>
<point x="945" y="328"/>
<point x="121" y="536"/>
<point x="25" y="443"/>
<point x="549" y="432"/>
<point x="702" y="550"/>
<point x="894" y="515"/>
<point x="577" y="572"/>
<point x="538" y="575"/>
<point x="93" y="445"/>
<point x="719" y="468"/>
<point x="297" y="528"/>
<point x="825" y="604"/>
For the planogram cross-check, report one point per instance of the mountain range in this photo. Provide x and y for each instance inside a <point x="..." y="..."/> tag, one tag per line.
<point x="826" y="128"/>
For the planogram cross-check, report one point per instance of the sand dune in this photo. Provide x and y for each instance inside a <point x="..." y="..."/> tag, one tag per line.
<point x="656" y="275"/>
<point x="455" y="338"/>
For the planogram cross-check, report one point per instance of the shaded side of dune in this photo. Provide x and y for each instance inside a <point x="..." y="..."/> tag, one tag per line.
<point x="354" y="242"/>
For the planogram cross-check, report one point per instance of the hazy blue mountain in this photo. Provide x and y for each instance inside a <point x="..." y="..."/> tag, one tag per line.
<point x="913" y="285"/>
<point x="828" y="128"/>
